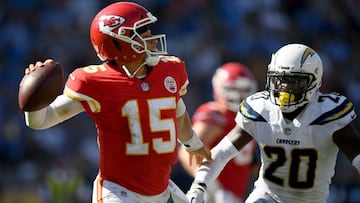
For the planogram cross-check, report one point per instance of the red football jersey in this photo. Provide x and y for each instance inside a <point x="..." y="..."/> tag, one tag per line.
<point x="235" y="176"/>
<point x="135" y="119"/>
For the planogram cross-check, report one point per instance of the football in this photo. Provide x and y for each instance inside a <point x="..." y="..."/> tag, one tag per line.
<point x="41" y="86"/>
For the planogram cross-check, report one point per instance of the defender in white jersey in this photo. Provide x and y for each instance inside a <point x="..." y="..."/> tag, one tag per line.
<point x="299" y="131"/>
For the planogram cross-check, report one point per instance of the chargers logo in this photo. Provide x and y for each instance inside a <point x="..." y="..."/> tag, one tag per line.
<point x="308" y="52"/>
<point x="108" y="23"/>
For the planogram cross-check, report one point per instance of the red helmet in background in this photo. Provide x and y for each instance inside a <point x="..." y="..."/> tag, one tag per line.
<point x="114" y="29"/>
<point x="233" y="82"/>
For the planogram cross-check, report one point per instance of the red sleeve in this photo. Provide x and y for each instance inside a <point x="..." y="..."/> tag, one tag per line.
<point x="207" y="113"/>
<point x="75" y="81"/>
<point x="80" y="86"/>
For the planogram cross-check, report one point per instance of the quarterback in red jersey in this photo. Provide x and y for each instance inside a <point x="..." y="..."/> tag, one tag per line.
<point x="135" y="100"/>
<point x="232" y="82"/>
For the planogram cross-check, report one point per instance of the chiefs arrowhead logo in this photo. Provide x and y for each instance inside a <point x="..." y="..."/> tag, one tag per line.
<point x="108" y="23"/>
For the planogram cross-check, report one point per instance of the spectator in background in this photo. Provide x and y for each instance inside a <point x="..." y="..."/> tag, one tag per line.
<point x="63" y="183"/>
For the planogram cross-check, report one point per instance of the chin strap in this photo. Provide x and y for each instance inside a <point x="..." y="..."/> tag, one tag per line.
<point x="152" y="60"/>
<point x="131" y="75"/>
<point x="149" y="60"/>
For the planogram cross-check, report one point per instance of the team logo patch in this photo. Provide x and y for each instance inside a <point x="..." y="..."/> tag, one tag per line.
<point x="170" y="84"/>
<point x="108" y="23"/>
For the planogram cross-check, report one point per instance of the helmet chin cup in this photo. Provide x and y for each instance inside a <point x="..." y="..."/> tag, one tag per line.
<point x="152" y="60"/>
<point x="285" y="98"/>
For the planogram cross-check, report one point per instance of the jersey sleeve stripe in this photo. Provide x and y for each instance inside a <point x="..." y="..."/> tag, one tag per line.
<point x="93" y="104"/>
<point x="183" y="89"/>
<point x="250" y="113"/>
<point x="339" y="112"/>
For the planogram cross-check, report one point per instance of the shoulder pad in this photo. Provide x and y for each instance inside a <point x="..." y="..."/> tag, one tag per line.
<point x="247" y="110"/>
<point x="334" y="106"/>
<point x="171" y="59"/>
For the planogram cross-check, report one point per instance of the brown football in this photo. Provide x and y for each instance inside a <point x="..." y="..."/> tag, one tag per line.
<point x="41" y="86"/>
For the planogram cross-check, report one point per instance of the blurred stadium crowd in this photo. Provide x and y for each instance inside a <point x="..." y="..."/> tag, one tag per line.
<point x="59" y="164"/>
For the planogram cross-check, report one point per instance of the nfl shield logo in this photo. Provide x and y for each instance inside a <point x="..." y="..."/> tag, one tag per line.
<point x="145" y="86"/>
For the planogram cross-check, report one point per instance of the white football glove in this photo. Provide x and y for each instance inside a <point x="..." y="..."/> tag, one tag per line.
<point x="196" y="192"/>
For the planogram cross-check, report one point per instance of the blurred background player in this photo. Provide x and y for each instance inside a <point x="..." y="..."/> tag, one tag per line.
<point x="232" y="82"/>
<point x="135" y="100"/>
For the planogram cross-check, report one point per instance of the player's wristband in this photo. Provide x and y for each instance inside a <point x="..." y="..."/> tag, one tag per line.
<point x="356" y="162"/>
<point x="193" y="144"/>
<point x="196" y="185"/>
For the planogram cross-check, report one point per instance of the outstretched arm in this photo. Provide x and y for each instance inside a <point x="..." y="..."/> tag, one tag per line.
<point x="222" y="153"/>
<point x="62" y="108"/>
<point x="190" y="140"/>
<point x="207" y="133"/>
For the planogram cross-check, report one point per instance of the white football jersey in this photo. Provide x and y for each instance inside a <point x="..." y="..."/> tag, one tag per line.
<point x="298" y="157"/>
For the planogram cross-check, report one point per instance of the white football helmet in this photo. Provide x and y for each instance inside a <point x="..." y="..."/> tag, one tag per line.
<point x="232" y="82"/>
<point x="294" y="76"/>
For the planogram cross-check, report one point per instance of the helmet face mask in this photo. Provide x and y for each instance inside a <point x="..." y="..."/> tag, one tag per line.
<point x="143" y="48"/>
<point x="139" y="43"/>
<point x="289" y="89"/>
<point x="116" y="33"/>
<point x="294" y="76"/>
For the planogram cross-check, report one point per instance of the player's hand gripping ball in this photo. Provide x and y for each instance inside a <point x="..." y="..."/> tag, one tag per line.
<point x="40" y="86"/>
